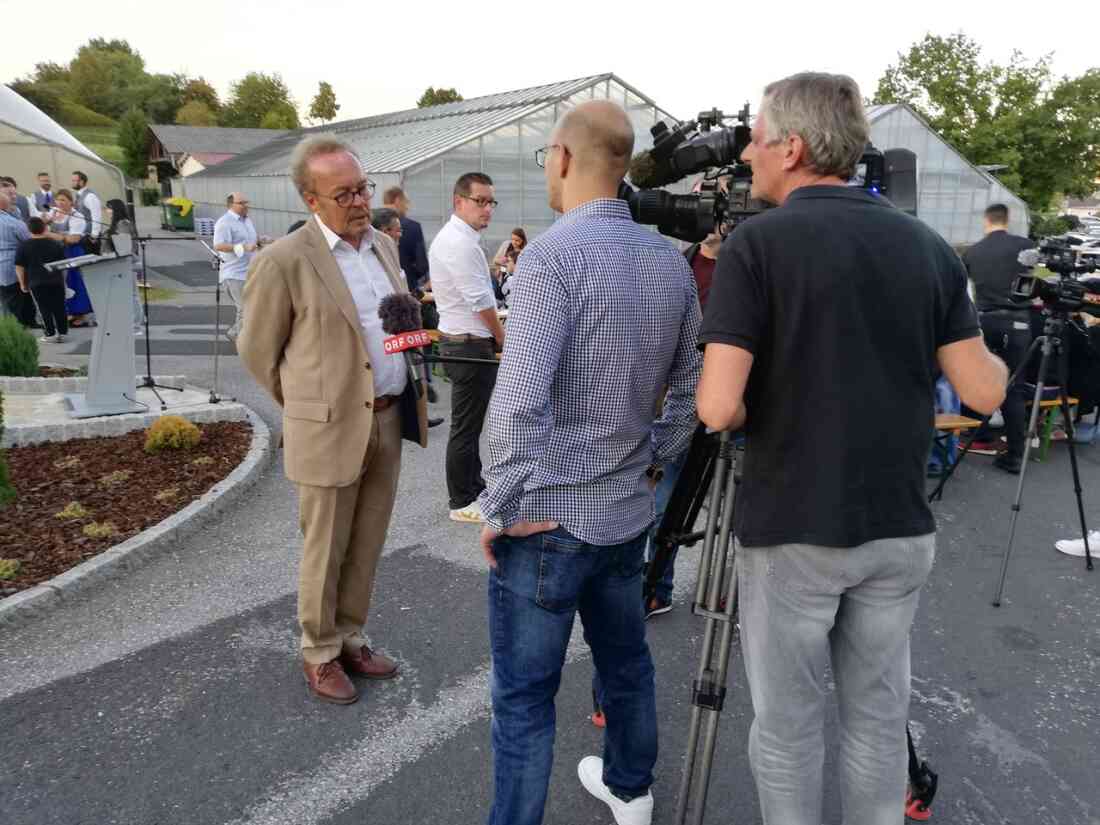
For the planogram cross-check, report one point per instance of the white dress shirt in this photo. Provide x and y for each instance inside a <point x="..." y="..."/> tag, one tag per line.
<point x="460" y="279"/>
<point x="90" y="201"/>
<point x="232" y="229"/>
<point x="368" y="283"/>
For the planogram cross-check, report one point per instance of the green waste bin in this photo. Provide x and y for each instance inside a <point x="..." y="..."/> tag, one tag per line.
<point x="174" y="218"/>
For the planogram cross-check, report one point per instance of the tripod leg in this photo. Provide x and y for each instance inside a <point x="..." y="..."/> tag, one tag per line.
<point x="1048" y="344"/>
<point x="1064" y="397"/>
<point x="217" y="338"/>
<point x="937" y="494"/>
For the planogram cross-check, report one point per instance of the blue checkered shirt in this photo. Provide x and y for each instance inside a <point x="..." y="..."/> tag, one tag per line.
<point x="603" y="316"/>
<point x="12" y="232"/>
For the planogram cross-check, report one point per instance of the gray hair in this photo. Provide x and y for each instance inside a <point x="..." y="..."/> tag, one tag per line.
<point x="312" y="147"/>
<point x="826" y="111"/>
<point x="381" y="218"/>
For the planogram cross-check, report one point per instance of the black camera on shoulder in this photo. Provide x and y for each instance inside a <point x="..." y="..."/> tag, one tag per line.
<point x="725" y="199"/>
<point x="1064" y="293"/>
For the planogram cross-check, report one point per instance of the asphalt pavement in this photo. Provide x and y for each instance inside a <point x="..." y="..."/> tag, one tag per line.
<point x="174" y="694"/>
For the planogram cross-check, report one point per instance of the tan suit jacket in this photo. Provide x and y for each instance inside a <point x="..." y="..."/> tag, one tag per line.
<point x="303" y="343"/>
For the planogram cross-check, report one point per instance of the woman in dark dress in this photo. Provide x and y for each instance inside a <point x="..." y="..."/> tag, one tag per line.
<point x="68" y="226"/>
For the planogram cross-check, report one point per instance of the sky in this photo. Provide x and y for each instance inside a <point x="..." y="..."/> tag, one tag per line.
<point x="685" y="56"/>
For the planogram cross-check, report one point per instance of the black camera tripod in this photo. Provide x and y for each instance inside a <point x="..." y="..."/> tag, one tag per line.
<point x="1049" y="344"/>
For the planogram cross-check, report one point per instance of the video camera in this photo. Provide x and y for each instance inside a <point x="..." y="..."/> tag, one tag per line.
<point x="1066" y="293"/>
<point x="725" y="199"/>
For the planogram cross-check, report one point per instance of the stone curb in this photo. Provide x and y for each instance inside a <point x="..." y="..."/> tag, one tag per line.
<point x="17" y="609"/>
<point x="46" y="386"/>
<point x="24" y="435"/>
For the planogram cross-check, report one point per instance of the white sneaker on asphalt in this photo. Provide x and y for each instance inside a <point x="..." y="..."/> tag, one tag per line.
<point x="470" y="514"/>
<point x="638" y="811"/>
<point x="48" y="339"/>
<point x="1076" y="547"/>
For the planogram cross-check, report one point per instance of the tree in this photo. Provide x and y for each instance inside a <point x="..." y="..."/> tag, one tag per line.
<point x="253" y="96"/>
<point x="324" y="106"/>
<point x="283" y="116"/>
<point x="1046" y="132"/>
<point x="133" y="137"/>
<point x="43" y="97"/>
<point x="196" y="113"/>
<point x="104" y="74"/>
<point x="437" y="97"/>
<point x="160" y="96"/>
<point x="198" y="89"/>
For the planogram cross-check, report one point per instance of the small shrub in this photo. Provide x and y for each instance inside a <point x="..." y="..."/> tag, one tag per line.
<point x="8" y="569"/>
<point x="73" y="510"/>
<point x="66" y="463"/>
<point x="18" y="349"/>
<point x="150" y="196"/>
<point x="167" y="494"/>
<point x="100" y="530"/>
<point x="171" y="432"/>
<point x="117" y="477"/>
<point x="203" y="460"/>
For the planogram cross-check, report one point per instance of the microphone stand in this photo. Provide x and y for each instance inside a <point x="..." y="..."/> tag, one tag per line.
<point x="147" y="381"/>
<point x="216" y="264"/>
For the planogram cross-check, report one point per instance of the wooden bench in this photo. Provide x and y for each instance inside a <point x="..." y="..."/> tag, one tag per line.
<point x="947" y="425"/>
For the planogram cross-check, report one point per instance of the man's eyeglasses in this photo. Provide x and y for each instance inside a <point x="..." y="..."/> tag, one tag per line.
<point x="540" y="154"/>
<point x="482" y="202"/>
<point x="346" y="199"/>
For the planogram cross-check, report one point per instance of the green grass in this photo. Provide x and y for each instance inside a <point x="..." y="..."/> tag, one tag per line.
<point x="101" y="140"/>
<point x="157" y="293"/>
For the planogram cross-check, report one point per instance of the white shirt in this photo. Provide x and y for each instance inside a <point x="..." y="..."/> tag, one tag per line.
<point x="91" y="202"/>
<point x="460" y="279"/>
<point x="71" y="224"/>
<point x="368" y="283"/>
<point x="232" y="229"/>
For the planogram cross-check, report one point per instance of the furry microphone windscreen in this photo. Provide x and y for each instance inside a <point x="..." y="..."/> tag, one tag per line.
<point x="400" y="312"/>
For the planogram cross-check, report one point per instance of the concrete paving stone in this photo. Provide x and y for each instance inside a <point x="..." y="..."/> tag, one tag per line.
<point x="26" y="604"/>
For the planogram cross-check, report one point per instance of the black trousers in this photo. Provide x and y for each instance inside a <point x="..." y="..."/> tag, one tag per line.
<point x="51" y="304"/>
<point x="19" y="304"/>
<point x="1010" y="344"/>
<point x="471" y="387"/>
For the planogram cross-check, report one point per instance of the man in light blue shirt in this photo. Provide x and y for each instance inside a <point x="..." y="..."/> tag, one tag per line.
<point x="236" y="240"/>
<point x="12" y="232"/>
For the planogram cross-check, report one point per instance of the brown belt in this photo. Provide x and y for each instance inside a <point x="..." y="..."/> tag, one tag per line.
<point x="384" y="402"/>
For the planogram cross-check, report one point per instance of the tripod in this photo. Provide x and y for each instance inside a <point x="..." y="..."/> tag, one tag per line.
<point x="147" y="381"/>
<point x="1049" y="344"/>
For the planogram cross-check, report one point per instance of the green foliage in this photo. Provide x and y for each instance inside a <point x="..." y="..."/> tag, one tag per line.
<point x="1043" y="226"/>
<point x="252" y="97"/>
<point x="436" y="97"/>
<point x="159" y="96"/>
<point x="324" y="106"/>
<point x="105" y="74"/>
<point x="171" y="432"/>
<point x="150" y="196"/>
<point x="133" y="137"/>
<point x="7" y="490"/>
<point x="1046" y="131"/>
<point x="283" y="116"/>
<point x="8" y="569"/>
<point x="196" y="113"/>
<point x="18" y="349"/>
<point x="197" y="90"/>
<point x="45" y="98"/>
<point x="74" y="114"/>
<point x="100" y="530"/>
<point x="73" y="510"/>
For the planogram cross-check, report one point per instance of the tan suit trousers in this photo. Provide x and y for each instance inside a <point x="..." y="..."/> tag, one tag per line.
<point x="344" y="529"/>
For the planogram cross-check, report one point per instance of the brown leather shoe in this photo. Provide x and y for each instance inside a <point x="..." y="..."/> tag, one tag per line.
<point x="328" y="682"/>
<point x="369" y="664"/>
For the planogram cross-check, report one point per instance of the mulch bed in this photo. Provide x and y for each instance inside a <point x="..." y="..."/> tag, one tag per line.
<point x="59" y="372"/>
<point x="115" y="481"/>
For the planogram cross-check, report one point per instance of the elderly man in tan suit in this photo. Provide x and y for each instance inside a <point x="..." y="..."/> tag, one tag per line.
<point x="316" y="346"/>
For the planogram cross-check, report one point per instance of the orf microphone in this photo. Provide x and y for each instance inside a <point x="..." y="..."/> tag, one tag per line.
<point x="400" y="314"/>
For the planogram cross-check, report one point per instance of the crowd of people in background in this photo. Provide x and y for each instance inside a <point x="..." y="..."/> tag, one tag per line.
<point x="73" y="222"/>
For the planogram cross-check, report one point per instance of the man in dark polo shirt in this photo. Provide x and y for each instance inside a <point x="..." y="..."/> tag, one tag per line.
<point x="993" y="263"/>
<point x="828" y="322"/>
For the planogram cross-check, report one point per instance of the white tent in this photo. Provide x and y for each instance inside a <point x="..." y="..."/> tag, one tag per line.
<point x="31" y="142"/>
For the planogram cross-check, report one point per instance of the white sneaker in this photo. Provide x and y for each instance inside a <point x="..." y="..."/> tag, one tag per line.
<point x="638" y="811"/>
<point x="1076" y="547"/>
<point x="60" y="338"/>
<point x="470" y="514"/>
<point x="48" y="339"/>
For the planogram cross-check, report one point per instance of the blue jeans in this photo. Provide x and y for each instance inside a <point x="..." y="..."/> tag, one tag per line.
<point x="660" y="501"/>
<point x="539" y="585"/>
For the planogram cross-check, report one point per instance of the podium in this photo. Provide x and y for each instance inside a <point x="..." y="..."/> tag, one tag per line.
<point x="112" y="387"/>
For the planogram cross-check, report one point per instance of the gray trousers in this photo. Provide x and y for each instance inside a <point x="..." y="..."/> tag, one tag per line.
<point x="803" y="608"/>
<point x="234" y="288"/>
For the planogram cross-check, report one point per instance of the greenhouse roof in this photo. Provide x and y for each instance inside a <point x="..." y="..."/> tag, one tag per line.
<point x="399" y="140"/>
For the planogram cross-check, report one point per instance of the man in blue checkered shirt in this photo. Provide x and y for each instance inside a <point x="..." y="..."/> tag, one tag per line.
<point x="604" y="316"/>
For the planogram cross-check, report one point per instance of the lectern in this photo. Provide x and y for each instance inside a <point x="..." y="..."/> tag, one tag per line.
<point x="112" y="387"/>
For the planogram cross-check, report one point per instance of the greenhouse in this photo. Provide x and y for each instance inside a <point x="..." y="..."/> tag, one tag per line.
<point x="425" y="151"/>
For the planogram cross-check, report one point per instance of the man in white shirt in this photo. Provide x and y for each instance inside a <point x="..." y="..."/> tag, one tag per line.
<point x="88" y="205"/>
<point x="236" y="241"/>
<point x="347" y="405"/>
<point x="470" y="328"/>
